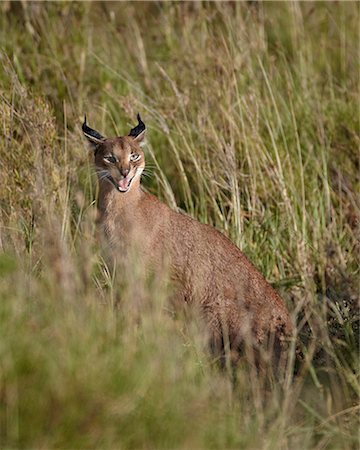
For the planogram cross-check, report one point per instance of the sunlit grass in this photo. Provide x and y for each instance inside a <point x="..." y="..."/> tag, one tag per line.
<point x="252" y="116"/>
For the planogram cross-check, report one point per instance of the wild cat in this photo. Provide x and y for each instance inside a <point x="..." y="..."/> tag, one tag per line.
<point x="208" y="270"/>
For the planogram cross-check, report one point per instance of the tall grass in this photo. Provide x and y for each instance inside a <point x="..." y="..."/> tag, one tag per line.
<point x="252" y="115"/>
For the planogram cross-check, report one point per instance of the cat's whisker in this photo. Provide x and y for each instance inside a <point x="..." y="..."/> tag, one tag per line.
<point x="103" y="175"/>
<point x="102" y="172"/>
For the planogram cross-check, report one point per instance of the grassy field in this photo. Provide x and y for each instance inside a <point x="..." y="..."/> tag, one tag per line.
<point x="253" y="126"/>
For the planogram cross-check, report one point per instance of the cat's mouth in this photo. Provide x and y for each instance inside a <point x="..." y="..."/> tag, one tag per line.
<point x="124" y="184"/>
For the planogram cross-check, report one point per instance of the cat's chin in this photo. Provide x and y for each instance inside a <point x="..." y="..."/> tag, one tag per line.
<point x="123" y="191"/>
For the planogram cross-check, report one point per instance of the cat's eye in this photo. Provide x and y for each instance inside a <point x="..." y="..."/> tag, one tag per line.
<point x="134" y="157"/>
<point x="110" y="158"/>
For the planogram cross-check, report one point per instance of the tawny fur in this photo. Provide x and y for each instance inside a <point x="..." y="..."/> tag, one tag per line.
<point x="206" y="267"/>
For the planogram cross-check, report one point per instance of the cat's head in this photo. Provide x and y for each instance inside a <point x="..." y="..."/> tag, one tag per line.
<point x="119" y="160"/>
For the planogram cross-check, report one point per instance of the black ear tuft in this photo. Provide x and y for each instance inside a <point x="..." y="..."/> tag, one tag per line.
<point x="140" y="128"/>
<point x="92" y="135"/>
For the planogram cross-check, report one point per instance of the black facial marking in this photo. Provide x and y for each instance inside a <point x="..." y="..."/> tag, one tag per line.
<point x="111" y="179"/>
<point x="111" y="159"/>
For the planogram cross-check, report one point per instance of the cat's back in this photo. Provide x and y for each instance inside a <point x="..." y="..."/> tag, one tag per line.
<point x="218" y="266"/>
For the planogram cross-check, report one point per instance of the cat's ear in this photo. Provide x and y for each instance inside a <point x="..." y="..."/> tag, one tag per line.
<point x="91" y="135"/>
<point x="138" y="132"/>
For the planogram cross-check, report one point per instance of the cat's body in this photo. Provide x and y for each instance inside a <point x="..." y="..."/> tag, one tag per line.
<point x="206" y="268"/>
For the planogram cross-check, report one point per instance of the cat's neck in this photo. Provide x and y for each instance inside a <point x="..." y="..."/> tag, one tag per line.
<point x="111" y="200"/>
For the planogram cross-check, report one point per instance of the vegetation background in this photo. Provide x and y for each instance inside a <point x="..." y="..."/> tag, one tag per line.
<point x="253" y="126"/>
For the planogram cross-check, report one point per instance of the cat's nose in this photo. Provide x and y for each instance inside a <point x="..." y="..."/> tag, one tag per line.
<point x="124" y="172"/>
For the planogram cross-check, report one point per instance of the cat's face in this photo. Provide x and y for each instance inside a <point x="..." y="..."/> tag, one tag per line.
<point x="120" y="160"/>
